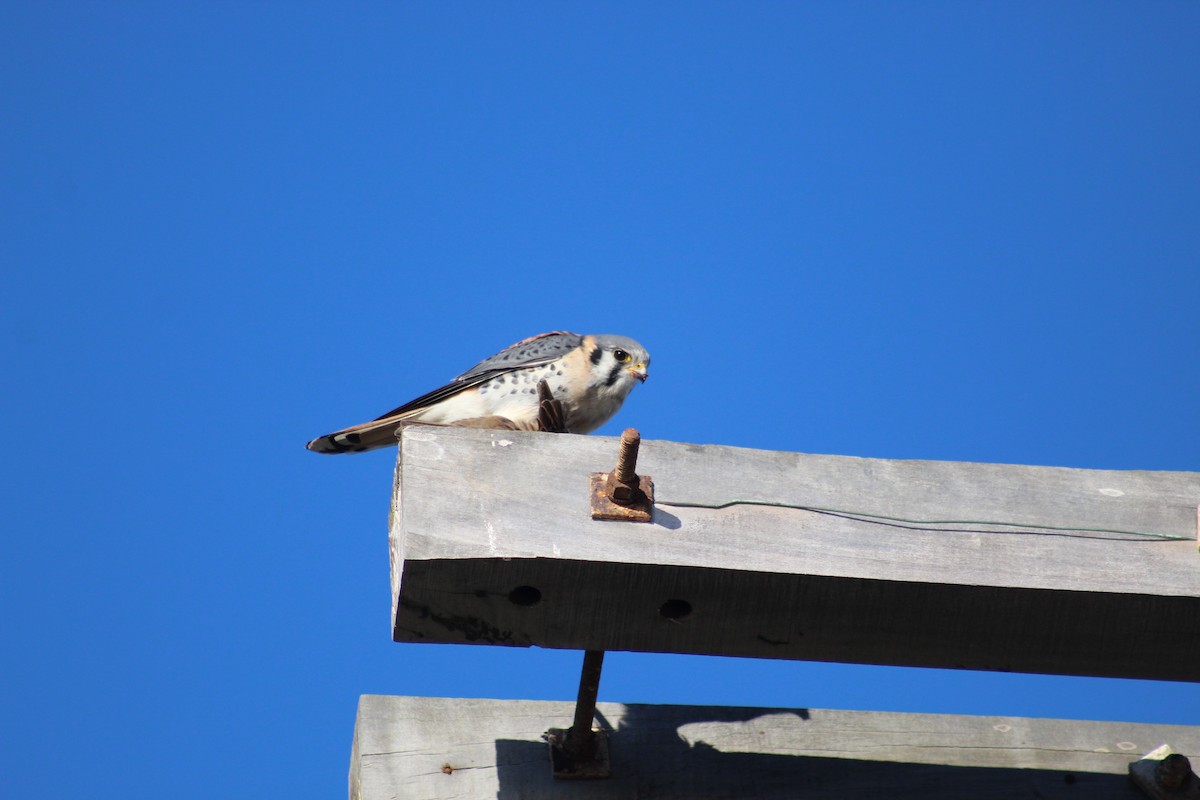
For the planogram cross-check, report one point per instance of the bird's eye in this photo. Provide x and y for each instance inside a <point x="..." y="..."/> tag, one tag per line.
<point x="621" y="356"/>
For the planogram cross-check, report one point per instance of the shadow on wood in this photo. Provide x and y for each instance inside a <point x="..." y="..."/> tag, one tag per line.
<point x="448" y="748"/>
<point x="701" y="771"/>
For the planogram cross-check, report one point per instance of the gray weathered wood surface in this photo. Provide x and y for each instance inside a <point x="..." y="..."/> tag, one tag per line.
<point x="477" y="514"/>
<point x="426" y="748"/>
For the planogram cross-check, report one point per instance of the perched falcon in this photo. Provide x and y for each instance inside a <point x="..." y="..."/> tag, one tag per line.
<point x="590" y="375"/>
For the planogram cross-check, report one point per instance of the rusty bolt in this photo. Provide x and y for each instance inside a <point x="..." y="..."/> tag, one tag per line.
<point x="631" y="440"/>
<point x="623" y="482"/>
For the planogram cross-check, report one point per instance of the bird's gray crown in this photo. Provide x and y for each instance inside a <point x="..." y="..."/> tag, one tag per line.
<point x="611" y="341"/>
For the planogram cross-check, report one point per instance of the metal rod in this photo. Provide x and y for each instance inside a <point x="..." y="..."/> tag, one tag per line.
<point x="580" y="743"/>
<point x="626" y="470"/>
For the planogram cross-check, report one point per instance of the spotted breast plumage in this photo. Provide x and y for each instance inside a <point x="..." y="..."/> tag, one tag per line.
<point x="590" y="375"/>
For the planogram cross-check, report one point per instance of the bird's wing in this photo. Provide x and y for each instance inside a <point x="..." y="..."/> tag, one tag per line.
<point x="379" y="432"/>
<point x="531" y="352"/>
<point x="431" y="398"/>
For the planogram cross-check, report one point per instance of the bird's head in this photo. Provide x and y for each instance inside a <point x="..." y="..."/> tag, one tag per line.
<point x="618" y="361"/>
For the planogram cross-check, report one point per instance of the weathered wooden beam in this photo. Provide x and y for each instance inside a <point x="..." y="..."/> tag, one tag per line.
<point x="430" y="747"/>
<point x="492" y="543"/>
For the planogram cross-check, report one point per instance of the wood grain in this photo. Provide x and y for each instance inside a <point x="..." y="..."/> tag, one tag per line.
<point x="429" y="748"/>
<point x="480" y="514"/>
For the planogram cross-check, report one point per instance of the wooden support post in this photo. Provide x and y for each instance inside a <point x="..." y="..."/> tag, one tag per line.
<point x="785" y="555"/>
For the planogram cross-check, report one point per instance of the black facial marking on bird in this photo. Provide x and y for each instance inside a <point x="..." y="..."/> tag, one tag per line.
<point x="613" y="375"/>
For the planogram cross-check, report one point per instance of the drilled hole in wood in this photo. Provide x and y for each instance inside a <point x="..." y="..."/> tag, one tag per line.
<point x="525" y="596"/>
<point x="675" y="609"/>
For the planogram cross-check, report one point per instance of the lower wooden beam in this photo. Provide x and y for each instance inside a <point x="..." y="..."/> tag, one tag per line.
<point x="430" y="747"/>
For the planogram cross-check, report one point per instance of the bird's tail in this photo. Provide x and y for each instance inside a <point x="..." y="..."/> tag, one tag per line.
<point x="383" y="432"/>
<point x="367" y="436"/>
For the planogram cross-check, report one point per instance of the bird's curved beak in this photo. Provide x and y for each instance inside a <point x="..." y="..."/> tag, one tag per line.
<point x="638" y="371"/>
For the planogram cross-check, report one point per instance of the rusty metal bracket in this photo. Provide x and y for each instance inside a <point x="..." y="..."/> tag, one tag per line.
<point x="566" y="768"/>
<point x="581" y="752"/>
<point x="1165" y="775"/>
<point x="623" y="494"/>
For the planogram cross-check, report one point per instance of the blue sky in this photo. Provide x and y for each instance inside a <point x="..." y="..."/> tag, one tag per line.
<point x="962" y="231"/>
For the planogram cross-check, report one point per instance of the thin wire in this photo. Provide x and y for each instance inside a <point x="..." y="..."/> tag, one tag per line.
<point x="883" y="519"/>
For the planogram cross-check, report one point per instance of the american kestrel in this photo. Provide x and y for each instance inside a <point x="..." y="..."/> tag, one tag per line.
<point x="590" y="375"/>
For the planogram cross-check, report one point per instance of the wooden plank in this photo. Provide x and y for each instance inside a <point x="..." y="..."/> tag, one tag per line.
<point x="492" y="543"/>
<point x="427" y="748"/>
